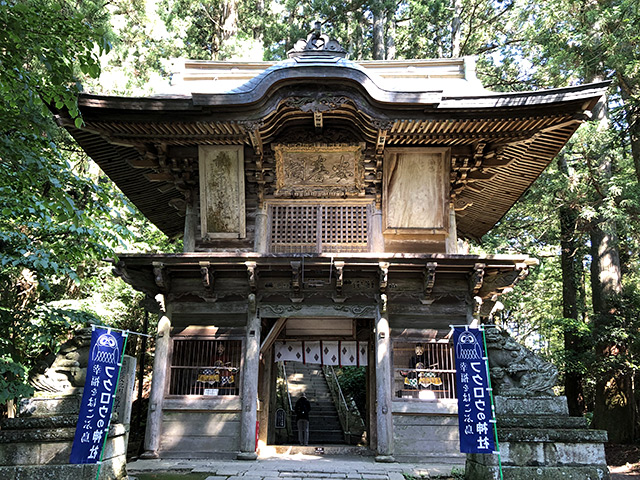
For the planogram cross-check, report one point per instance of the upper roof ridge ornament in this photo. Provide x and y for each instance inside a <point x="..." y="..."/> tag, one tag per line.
<point x="317" y="44"/>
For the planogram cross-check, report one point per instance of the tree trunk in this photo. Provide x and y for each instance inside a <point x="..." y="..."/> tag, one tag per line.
<point x="378" y="35"/>
<point x="456" y="26"/>
<point x="633" y="120"/>
<point x="614" y="404"/>
<point x="571" y="265"/>
<point x="391" y="36"/>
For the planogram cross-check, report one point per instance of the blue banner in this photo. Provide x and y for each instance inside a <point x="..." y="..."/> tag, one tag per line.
<point x="97" y="400"/>
<point x="475" y="414"/>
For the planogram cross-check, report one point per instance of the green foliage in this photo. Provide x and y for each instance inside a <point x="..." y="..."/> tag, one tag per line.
<point x="353" y="383"/>
<point x="44" y="45"/>
<point x="457" y="473"/>
<point x="13" y="378"/>
<point x="60" y="216"/>
<point x="214" y="30"/>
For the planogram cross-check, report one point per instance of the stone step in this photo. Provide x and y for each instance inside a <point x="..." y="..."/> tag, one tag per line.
<point x="433" y="458"/>
<point x="559" y="435"/>
<point x="327" y="411"/>
<point x="48" y="405"/>
<point x="311" y="394"/>
<point x="306" y="387"/>
<point x="324" y="423"/>
<point x="27" y="423"/>
<point x="334" y="424"/>
<point x="536" y="406"/>
<point x="541" y="421"/>
<point x="328" y="450"/>
<point x="319" y="437"/>
<point x="43" y="435"/>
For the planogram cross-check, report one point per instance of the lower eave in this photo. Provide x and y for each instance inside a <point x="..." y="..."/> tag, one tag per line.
<point x="153" y="273"/>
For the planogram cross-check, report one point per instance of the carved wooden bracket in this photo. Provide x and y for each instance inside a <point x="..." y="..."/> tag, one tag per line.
<point x="502" y="282"/>
<point x="384" y="276"/>
<point x="252" y="275"/>
<point x="140" y="280"/>
<point x="161" y="276"/>
<point x="429" y="281"/>
<point x="317" y="121"/>
<point x="383" y="303"/>
<point x="208" y="281"/>
<point x="296" y="282"/>
<point x="383" y="127"/>
<point x="478" y="154"/>
<point x="168" y="172"/>
<point x="252" y="127"/>
<point x="461" y="204"/>
<point x="339" y="296"/>
<point x="252" y="303"/>
<point x="120" y="270"/>
<point x="477" y="277"/>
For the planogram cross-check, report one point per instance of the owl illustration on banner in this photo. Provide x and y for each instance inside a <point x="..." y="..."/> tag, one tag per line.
<point x="468" y="347"/>
<point x="106" y="349"/>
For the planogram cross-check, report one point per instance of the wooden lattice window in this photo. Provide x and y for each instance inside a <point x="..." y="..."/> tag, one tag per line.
<point x="423" y="370"/>
<point x="317" y="228"/>
<point x="202" y="366"/>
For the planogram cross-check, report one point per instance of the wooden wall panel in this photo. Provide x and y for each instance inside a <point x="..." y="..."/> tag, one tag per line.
<point x="222" y="191"/>
<point x="416" y="191"/>
<point x="419" y="437"/>
<point x="199" y="434"/>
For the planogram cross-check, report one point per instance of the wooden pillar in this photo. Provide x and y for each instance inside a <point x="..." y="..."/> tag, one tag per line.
<point x="375" y="233"/>
<point x="371" y="394"/>
<point x="452" y="235"/>
<point x="158" y="382"/>
<point x="190" y="223"/>
<point x="273" y="377"/>
<point x="266" y="367"/>
<point x="261" y="239"/>
<point x="249" y="397"/>
<point x="384" y="420"/>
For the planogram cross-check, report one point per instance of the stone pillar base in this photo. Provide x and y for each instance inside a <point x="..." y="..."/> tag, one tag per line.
<point x="149" y="455"/>
<point x="247" y="456"/>
<point x="385" y="458"/>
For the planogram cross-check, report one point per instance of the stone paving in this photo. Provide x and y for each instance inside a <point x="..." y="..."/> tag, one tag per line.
<point x="294" y="467"/>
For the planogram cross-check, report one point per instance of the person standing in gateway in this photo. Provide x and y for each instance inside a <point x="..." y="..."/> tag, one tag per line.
<point x="302" y="409"/>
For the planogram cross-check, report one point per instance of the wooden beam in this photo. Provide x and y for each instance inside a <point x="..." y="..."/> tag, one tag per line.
<point x="159" y="177"/>
<point x="273" y="334"/>
<point x="143" y="162"/>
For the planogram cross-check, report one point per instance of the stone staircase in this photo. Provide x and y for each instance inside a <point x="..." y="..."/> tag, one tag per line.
<point x="324" y="423"/>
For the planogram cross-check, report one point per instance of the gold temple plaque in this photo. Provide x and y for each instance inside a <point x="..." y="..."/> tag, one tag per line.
<point x="319" y="170"/>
